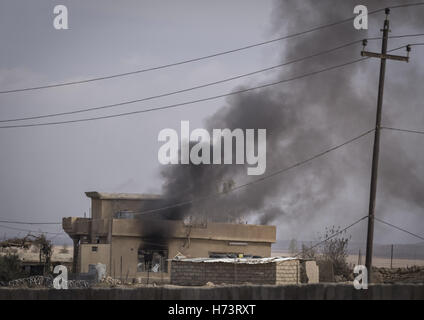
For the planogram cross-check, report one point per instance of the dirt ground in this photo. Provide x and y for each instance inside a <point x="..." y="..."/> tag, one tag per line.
<point x="32" y="254"/>
<point x="384" y="262"/>
<point x="378" y="262"/>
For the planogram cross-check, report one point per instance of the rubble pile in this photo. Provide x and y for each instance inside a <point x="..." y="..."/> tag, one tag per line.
<point x="414" y="274"/>
<point x="110" y="281"/>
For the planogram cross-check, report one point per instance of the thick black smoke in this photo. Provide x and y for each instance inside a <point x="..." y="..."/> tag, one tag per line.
<point x="310" y="115"/>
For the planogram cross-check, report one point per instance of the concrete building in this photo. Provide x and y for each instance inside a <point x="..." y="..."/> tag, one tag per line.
<point x="138" y="246"/>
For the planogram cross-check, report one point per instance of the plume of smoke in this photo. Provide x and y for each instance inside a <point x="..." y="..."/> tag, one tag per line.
<point x="306" y="117"/>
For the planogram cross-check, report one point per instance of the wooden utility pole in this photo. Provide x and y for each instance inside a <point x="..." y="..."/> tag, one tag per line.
<point x="383" y="56"/>
<point x="391" y="257"/>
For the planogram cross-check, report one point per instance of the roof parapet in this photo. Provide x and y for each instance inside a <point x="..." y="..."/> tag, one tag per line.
<point x="122" y="196"/>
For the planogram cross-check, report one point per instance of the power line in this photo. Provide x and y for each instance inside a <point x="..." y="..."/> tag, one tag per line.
<point x="399" y="228"/>
<point x="199" y="86"/>
<point x="27" y="230"/>
<point x="403" y="130"/>
<point x="62" y="84"/>
<point x="278" y="172"/>
<point x="400" y="36"/>
<point x="187" y="89"/>
<point x="171" y="106"/>
<point x="275" y="173"/>
<point x="332" y="236"/>
<point x="29" y="223"/>
<point x="405" y="5"/>
<point x="53" y="237"/>
<point x="404" y="46"/>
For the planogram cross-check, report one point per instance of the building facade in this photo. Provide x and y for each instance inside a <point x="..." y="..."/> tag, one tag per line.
<point x="136" y="246"/>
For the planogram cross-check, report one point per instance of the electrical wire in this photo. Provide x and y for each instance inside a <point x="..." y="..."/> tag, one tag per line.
<point x="171" y="106"/>
<point x="187" y="89"/>
<point x="405" y="5"/>
<point x="62" y="84"/>
<point x="275" y="173"/>
<point x="401" y="36"/>
<point x="332" y="236"/>
<point x="176" y="105"/>
<point x="27" y="230"/>
<point x="29" y="223"/>
<point x="83" y="110"/>
<point x="278" y="172"/>
<point x="403" y="130"/>
<point x="399" y="228"/>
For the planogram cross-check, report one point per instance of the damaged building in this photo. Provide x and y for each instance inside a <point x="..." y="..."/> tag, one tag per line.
<point x="134" y="245"/>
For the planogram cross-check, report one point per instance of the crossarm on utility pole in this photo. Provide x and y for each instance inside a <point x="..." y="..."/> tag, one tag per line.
<point x="384" y="56"/>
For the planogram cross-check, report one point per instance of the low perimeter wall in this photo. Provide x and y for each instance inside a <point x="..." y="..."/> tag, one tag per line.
<point x="189" y="273"/>
<point x="291" y="292"/>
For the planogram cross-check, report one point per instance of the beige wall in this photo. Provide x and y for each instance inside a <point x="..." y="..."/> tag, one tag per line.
<point x="204" y="247"/>
<point x="87" y="256"/>
<point x="173" y="229"/>
<point x="177" y="229"/>
<point x="127" y="248"/>
<point x="186" y="272"/>
<point x="96" y="209"/>
<point x="288" y="272"/>
<point x="312" y="271"/>
<point x="105" y="208"/>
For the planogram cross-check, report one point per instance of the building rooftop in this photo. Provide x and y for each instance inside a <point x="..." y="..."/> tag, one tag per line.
<point x="235" y="234"/>
<point x="237" y="260"/>
<point x="122" y="196"/>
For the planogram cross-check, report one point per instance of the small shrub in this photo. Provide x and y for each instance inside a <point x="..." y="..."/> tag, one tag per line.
<point x="335" y="250"/>
<point x="10" y="268"/>
<point x="308" y="252"/>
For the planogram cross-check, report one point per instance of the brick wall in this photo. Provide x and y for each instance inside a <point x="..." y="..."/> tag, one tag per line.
<point x="190" y="273"/>
<point x="288" y="272"/>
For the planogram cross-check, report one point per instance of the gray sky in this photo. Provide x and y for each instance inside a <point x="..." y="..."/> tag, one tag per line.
<point x="44" y="171"/>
